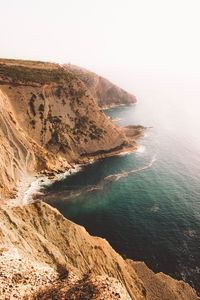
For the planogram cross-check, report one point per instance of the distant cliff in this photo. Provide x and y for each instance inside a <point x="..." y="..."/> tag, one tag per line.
<point x="106" y="93"/>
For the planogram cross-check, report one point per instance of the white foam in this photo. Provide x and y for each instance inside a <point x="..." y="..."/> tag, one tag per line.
<point x="155" y="208"/>
<point x="91" y="161"/>
<point x="141" y="149"/>
<point x="125" y="153"/>
<point x="117" y="119"/>
<point x="116" y="177"/>
<point x="74" y="170"/>
<point x="29" y="187"/>
<point x="33" y="191"/>
<point x="94" y="188"/>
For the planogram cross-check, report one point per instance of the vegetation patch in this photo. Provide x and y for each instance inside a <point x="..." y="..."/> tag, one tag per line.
<point x="31" y="105"/>
<point x="22" y="74"/>
<point x="95" y="132"/>
<point x="58" y="91"/>
<point x="41" y="96"/>
<point x="32" y="122"/>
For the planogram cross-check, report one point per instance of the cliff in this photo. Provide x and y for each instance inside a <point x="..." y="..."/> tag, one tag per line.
<point x="104" y="92"/>
<point x="60" y="260"/>
<point x="50" y="120"/>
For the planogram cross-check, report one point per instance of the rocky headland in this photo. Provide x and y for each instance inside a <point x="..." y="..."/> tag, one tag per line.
<point x="51" y="121"/>
<point x="103" y="91"/>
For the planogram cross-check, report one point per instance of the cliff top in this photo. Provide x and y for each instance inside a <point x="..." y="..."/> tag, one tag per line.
<point x="27" y="72"/>
<point x="28" y="63"/>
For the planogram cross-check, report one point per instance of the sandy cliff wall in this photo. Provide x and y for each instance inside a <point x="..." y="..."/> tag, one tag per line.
<point x="17" y="151"/>
<point x="49" y="119"/>
<point x="40" y="233"/>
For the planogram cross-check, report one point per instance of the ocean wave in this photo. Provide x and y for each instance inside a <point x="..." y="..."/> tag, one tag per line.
<point x="154" y="208"/>
<point x="116" y="177"/>
<point x="141" y="149"/>
<point x="117" y="119"/>
<point x="125" y="153"/>
<point x="94" y="188"/>
<point x="75" y="191"/>
<point x="74" y="170"/>
<point x="33" y="192"/>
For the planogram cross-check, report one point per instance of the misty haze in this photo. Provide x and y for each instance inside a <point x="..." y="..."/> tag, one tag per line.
<point x="99" y="127"/>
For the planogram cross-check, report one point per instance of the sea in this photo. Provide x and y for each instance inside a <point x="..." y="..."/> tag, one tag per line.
<point x="146" y="203"/>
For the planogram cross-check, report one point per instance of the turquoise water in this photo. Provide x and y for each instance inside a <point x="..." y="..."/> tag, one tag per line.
<point x="150" y="209"/>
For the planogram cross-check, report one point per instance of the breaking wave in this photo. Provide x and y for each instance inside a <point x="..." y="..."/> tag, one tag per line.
<point x="110" y="178"/>
<point x="115" y="177"/>
<point x="141" y="149"/>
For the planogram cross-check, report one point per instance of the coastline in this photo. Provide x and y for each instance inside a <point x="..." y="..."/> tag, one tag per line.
<point x="29" y="186"/>
<point x="114" y="105"/>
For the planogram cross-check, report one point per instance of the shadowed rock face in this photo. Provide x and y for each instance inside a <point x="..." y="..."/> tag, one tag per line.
<point x="49" y="119"/>
<point x="40" y="233"/>
<point x="104" y="92"/>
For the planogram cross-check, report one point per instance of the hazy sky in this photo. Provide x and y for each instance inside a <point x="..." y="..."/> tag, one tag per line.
<point x="111" y="37"/>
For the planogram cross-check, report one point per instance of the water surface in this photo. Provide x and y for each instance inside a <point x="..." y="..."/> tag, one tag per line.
<point x="147" y="203"/>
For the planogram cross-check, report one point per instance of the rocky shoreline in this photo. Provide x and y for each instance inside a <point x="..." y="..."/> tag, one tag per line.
<point x="28" y="188"/>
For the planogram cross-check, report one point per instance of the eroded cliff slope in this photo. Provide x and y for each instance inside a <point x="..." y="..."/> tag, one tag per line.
<point x="49" y="120"/>
<point x="60" y="260"/>
<point x="105" y="92"/>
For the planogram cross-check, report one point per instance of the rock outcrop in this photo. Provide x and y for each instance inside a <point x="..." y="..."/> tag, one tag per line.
<point x="104" y="92"/>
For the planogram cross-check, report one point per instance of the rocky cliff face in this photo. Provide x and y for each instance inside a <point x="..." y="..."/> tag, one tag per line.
<point x="69" y="262"/>
<point x="106" y="93"/>
<point x="49" y="120"/>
